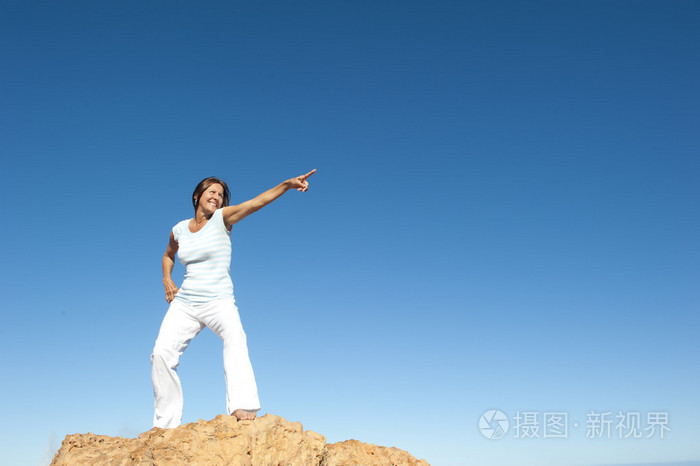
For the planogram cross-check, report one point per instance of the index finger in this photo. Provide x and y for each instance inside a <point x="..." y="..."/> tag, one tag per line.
<point x="303" y="177"/>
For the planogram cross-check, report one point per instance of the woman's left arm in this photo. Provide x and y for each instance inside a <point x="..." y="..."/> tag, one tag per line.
<point x="236" y="213"/>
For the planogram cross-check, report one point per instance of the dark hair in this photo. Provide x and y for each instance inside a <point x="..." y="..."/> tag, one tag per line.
<point x="204" y="185"/>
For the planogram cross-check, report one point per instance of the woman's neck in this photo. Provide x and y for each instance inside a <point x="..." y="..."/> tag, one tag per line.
<point x="201" y="217"/>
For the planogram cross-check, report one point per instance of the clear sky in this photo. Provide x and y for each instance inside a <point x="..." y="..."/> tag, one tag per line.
<point x="504" y="217"/>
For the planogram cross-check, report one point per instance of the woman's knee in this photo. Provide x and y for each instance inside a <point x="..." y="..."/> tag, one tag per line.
<point x="162" y="355"/>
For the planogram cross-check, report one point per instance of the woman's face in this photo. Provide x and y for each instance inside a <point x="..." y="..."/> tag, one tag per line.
<point x="211" y="199"/>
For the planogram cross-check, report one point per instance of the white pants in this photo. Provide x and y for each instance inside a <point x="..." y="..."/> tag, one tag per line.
<point x="180" y="325"/>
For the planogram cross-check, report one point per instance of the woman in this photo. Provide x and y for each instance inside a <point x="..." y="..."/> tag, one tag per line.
<point x="205" y="298"/>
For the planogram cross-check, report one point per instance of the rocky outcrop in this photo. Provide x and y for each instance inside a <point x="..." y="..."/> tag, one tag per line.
<point x="266" y="441"/>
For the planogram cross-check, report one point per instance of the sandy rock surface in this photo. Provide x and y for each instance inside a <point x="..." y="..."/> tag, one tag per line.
<point x="266" y="441"/>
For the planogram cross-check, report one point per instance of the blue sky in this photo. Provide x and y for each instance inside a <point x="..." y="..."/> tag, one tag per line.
<point x="504" y="216"/>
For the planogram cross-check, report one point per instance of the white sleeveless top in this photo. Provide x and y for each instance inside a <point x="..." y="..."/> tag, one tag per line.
<point x="206" y="256"/>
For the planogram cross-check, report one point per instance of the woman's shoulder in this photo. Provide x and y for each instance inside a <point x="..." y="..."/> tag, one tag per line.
<point x="181" y="226"/>
<point x="182" y="223"/>
<point x="218" y="219"/>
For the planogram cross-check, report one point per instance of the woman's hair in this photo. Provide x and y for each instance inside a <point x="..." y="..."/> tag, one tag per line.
<point x="204" y="185"/>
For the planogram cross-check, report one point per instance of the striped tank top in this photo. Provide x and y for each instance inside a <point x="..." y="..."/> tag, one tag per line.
<point x="206" y="256"/>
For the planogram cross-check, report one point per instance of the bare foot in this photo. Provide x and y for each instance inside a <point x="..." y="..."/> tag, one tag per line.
<point x="145" y="434"/>
<point x="244" y="415"/>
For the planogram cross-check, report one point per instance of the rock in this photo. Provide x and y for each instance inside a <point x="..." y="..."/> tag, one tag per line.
<point x="268" y="440"/>
<point x="358" y="453"/>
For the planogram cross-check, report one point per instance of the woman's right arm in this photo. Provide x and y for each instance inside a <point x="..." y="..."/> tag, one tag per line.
<point x="168" y="264"/>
